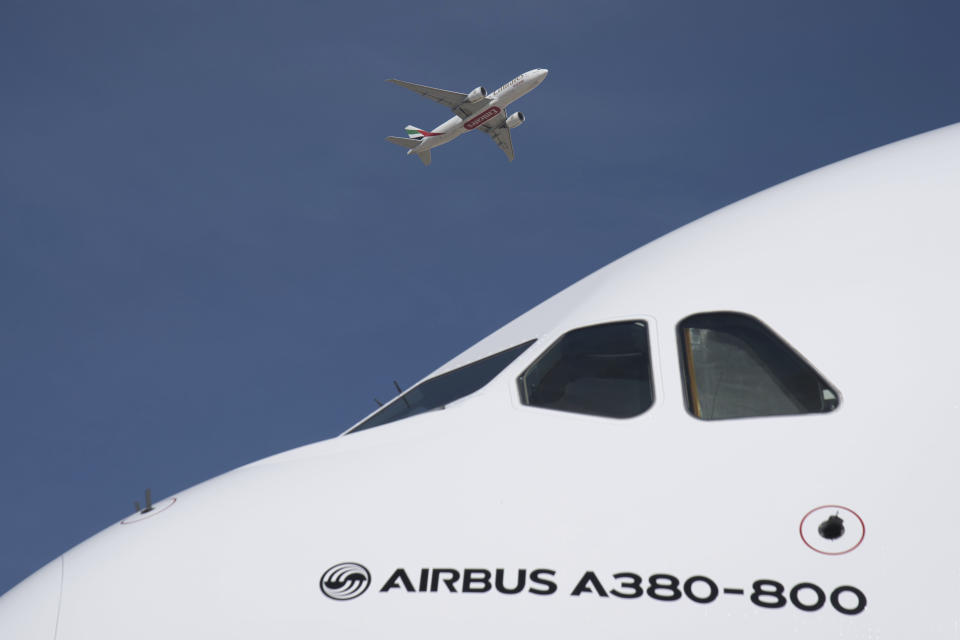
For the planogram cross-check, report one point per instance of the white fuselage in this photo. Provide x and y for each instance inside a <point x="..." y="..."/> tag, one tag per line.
<point x="499" y="101"/>
<point x="491" y="517"/>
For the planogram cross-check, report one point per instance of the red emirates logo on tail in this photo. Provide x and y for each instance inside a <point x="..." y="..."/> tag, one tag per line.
<point x="478" y="120"/>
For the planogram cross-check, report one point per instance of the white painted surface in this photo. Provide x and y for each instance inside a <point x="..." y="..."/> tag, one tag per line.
<point x="854" y="265"/>
<point x="29" y="610"/>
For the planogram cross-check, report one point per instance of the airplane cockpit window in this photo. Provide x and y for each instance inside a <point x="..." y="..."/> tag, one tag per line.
<point x="603" y="370"/>
<point x="735" y="367"/>
<point x="437" y="392"/>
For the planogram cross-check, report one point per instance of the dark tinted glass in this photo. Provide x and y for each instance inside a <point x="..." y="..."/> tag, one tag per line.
<point x="735" y="367"/>
<point x="437" y="392"/>
<point x="602" y="370"/>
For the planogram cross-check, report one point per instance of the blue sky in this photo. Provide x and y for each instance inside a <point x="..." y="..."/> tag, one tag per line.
<point x="208" y="254"/>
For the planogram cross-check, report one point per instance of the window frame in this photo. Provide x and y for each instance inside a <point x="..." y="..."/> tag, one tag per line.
<point x="527" y="346"/>
<point x="656" y="373"/>
<point x="685" y="377"/>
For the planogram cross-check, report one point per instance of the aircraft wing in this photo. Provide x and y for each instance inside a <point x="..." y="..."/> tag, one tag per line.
<point x="450" y="99"/>
<point x="456" y="102"/>
<point x="500" y="132"/>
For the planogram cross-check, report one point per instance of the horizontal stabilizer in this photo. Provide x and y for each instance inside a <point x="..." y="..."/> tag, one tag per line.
<point x="407" y="143"/>
<point x="425" y="157"/>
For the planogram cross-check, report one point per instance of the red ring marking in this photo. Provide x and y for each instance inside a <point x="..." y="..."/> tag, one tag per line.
<point x="149" y="515"/>
<point x="863" y="529"/>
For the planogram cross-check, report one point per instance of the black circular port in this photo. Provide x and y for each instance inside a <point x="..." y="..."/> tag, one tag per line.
<point x="831" y="528"/>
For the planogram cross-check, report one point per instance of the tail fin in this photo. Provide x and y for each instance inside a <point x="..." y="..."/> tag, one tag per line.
<point x="415" y="133"/>
<point x="406" y="143"/>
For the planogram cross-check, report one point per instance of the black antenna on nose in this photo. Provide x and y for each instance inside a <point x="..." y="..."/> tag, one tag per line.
<point x="149" y="507"/>
<point x="400" y="391"/>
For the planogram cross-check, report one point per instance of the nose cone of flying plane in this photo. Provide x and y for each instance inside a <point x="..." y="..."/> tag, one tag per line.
<point x="536" y="76"/>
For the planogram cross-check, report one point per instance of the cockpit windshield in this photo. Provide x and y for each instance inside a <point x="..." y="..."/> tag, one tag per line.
<point x="735" y="367"/>
<point x="437" y="392"/>
<point x="601" y="370"/>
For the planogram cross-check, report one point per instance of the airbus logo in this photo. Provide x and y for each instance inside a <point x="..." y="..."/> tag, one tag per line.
<point x="348" y="580"/>
<point x="345" y="581"/>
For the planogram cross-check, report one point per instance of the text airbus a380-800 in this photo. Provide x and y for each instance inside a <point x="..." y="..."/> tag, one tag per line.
<point x="474" y="110"/>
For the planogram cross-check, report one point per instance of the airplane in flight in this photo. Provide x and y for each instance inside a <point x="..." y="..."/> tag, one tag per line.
<point x="744" y="429"/>
<point x="474" y="110"/>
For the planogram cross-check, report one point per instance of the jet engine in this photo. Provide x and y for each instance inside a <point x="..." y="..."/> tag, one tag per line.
<point x="515" y="120"/>
<point x="477" y="94"/>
